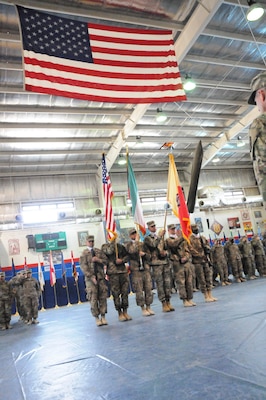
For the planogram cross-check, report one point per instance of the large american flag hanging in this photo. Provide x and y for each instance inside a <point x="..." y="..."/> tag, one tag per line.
<point x="94" y="62"/>
<point x="108" y="195"/>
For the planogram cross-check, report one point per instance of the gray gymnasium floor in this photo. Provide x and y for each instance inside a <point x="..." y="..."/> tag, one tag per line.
<point x="208" y="352"/>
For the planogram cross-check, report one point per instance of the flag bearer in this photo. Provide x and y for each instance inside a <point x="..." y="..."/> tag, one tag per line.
<point x="140" y="272"/>
<point x="155" y="247"/>
<point x="118" y="277"/>
<point x="93" y="265"/>
<point x="182" y="260"/>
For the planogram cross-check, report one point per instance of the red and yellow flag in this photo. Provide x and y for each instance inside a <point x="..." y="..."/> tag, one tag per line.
<point x="176" y="199"/>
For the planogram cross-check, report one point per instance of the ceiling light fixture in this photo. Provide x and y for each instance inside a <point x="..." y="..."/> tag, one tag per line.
<point x="189" y="84"/>
<point x="122" y="160"/>
<point x="240" y="142"/>
<point x="160" y="116"/>
<point x="215" y="160"/>
<point x="255" y="11"/>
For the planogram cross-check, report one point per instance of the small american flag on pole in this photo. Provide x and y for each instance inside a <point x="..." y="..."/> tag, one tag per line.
<point x="88" y="61"/>
<point x="108" y="195"/>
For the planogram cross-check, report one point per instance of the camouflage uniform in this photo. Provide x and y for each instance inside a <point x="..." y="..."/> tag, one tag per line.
<point x="118" y="277"/>
<point x="259" y="255"/>
<point x="257" y="132"/>
<point x="246" y="251"/>
<point x="181" y="259"/>
<point x="203" y="271"/>
<point x="219" y="261"/>
<point x="96" y="285"/>
<point x="31" y="294"/>
<point x="6" y="298"/>
<point x="155" y="246"/>
<point x="233" y="257"/>
<point x="16" y="283"/>
<point x="141" y="275"/>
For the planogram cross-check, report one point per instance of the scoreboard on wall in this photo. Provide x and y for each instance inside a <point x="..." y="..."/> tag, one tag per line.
<point x="50" y="241"/>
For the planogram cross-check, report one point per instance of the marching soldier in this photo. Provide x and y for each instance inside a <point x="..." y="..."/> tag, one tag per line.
<point x="93" y="265"/>
<point x="200" y="250"/>
<point x="31" y="294"/>
<point x="118" y="277"/>
<point x="140" y="272"/>
<point x="155" y="246"/>
<point x="219" y="261"/>
<point x="233" y="257"/>
<point x="181" y="259"/>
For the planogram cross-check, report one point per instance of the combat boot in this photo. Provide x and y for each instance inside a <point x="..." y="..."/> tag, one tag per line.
<point x="128" y="317"/>
<point x="145" y="312"/>
<point x="150" y="311"/>
<point x="207" y="298"/>
<point x="35" y="321"/>
<point x="165" y="307"/>
<point x="121" y="316"/>
<point x="2" y="327"/>
<point x="171" y="308"/>
<point x="187" y="303"/>
<point x="103" y="320"/>
<point x="192" y="302"/>
<point x="98" y="321"/>
<point x="211" y="296"/>
<point x="8" y="326"/>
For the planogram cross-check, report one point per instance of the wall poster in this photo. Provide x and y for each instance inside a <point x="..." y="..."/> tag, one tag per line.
<point x="13" y="247"/>
<point x="233" y="223"/>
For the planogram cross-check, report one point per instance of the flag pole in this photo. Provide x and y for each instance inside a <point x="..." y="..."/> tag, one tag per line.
<point x="42" y="309"/>
<point x="67" y="291"/>
<point x="77" y="286"/>
<point x="55" y="297"/>
<point x="41" y="281"/>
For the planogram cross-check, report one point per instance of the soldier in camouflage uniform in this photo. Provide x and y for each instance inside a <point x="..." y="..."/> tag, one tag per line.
<point x="155" y="247"/>
<point x="200" y="250"/>
<point x="31" y="295"/>
<point x="181" y="259"/>
<point x="118" y="277"/>
<point x="246" y="251"/>
<point x="219" y="261"/>
<point x="16" y="283"/>
<point x="6" y="298"/>
<point x="233" y="257"/>
<point x="257" y="132"/>
<point x="140" y="272"/>
<point x="93" y="263"/>
<point x="259" y="255"/>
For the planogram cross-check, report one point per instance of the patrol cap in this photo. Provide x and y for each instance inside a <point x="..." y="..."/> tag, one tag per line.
<point x="2" y="274"/>
<point x="171" y="226"/>
<point x="194" y="226"/>
<point x="259" y="82"/>
<point x="28" y="271"/>
<point x="132" y="230"/>
<point x="90" y="237"/>
<point x="151" y="223"/>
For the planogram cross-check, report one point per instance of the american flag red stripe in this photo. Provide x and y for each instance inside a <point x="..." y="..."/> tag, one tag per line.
<point x="108" y="195"/>
<point x="114" y="64"/>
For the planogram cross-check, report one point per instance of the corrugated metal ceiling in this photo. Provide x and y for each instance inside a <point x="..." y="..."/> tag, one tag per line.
<point x="48" y="135"/>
